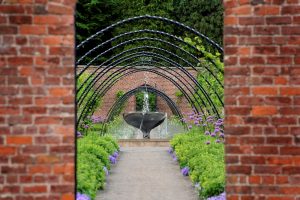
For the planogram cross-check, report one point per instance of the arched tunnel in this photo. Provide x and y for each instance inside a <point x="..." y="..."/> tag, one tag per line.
<point x="186" y="58"/>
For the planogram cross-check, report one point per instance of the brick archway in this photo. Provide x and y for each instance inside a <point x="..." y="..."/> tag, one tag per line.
<point x="261" y="94"/>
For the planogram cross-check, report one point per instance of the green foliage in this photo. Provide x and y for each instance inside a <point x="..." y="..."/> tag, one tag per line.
<point x="139" y="98"/>
<point x="178" y="94"/>
<point x="94" y="15"/>
<point x="206" y="162"/>
<point x="205" y="16"/>
<point x="92" y="155"/>
<point x="211" y="68"/>
<point x="119" y="94"/>
<point x="93" y="105"/>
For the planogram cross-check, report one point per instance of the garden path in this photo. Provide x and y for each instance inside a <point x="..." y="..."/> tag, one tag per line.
<point x="146" y="173"/>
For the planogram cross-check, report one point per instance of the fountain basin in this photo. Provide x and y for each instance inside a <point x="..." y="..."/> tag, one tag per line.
<point x="144" y="121"/>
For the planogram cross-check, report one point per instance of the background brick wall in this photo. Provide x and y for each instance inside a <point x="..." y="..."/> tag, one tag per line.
<point x="135" y="80"/>
<point x="36" y="100"/>
<point x="262" y="97"/>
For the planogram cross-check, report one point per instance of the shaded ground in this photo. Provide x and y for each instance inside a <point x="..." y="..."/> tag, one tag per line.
<point x="147" y="173"/>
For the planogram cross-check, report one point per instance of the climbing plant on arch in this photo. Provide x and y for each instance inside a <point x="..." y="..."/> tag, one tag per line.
<point x="151" y="51"/>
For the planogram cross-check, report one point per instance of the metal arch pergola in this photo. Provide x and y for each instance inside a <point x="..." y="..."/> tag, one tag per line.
<point x="172" y="60"/>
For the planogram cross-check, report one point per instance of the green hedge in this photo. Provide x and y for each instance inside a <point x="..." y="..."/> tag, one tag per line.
<point x="205" y="161"/>
<point x="92" y="156"/>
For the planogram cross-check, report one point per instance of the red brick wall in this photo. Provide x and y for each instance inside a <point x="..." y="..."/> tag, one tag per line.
<point x="262" y="97"/>
<point x="135" y="80"/>
<point x="36" y="100"/>
<point x="132" y="82"/>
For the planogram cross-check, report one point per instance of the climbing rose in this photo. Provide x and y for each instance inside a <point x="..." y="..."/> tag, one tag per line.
<point x="80" y="196"/>
<point x="185" y="171"/>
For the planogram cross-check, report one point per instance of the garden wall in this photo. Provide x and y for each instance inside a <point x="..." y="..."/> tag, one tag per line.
<point x="262" y="98"/>
<point x="135" y="80"/>
<point x="261" y="93"/>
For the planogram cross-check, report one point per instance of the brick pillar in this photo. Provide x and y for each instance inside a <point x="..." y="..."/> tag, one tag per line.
<point x="36" y="100"/>
<point x="262" y="97"/>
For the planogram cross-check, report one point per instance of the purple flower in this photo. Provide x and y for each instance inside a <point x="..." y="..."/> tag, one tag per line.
<point x="115" y="154"/>
<point x="203" y="124"/>
<point x="185" y="171"/>
<point x="86" y="126"/>
<point x="217" y="129"/>
<point x="112" y="160"/>
<point x="174" y="157"/>
<point x="79" y="135"/>
<point x="197" y="185"/>
<point x="207" y="142"/>
<point x="213" y="135"/>
<point x="96" y="119"/>
<point x="170" y="150"/>
<point x="207" y="133"/>
<point x="106" y="171"/>
<point x="80" y="196"/>
<point x="196" y="122"/>
<point x="222" y="135"/>
<point x="221" y="196"/>
<point x="190" y="127"/>
<point x="218" y="141"/>
<point x="218" y="124"/>
<point x="191" y="117"/>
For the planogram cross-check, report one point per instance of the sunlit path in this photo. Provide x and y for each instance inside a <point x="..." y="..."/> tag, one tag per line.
<point x="147" y="173"/>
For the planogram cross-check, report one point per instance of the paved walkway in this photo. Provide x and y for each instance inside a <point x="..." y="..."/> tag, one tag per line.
<point x="147" y="173"/>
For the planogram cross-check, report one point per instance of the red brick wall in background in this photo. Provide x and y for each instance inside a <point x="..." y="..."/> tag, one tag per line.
<point x="261" y="93"/>
<point x="36" y="100"/>
<point x="262" y="97"/>
<point x="137" y="79"/>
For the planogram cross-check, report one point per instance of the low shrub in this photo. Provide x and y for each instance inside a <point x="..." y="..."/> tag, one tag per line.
<point x="93" y="160"/>
<point x="204" y="156"/>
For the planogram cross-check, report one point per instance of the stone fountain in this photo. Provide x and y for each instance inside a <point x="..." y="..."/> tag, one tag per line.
<point x="145" y="120"/>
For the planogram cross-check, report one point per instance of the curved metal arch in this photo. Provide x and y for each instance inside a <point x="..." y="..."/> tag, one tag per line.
<point x="159" y="56"/>
<point x="150" y="39"/>
<point x="152" y="32"/>
<point x="151" y="47"/>
<point x="168" y="72"/>
<point x="135" y="55"/>
<point x="100" y="88"/>
<point x="163" y="19"/>
<point x="124" y="52"/>
<point x="138" y="70"/>
<point x="175" y="110"/>
<point x="132" y="65"/>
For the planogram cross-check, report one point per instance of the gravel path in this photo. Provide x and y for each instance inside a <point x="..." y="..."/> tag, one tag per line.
<point x="147" y="173"/>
